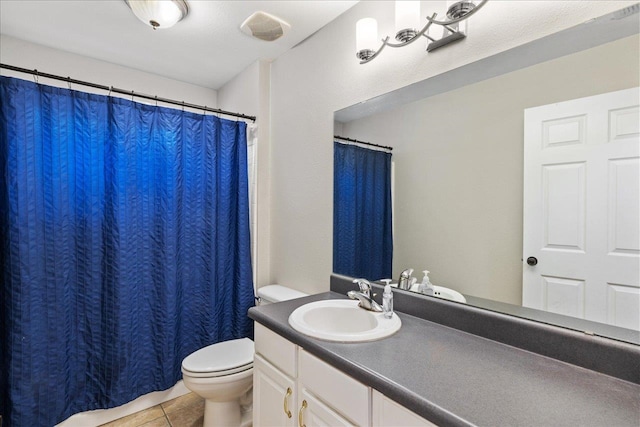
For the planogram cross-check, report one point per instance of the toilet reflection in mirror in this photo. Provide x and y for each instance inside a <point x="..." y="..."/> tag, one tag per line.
<point x="537" y="162"/>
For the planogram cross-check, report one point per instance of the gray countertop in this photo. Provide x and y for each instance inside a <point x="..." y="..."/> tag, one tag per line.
<point x="452" y="377"/>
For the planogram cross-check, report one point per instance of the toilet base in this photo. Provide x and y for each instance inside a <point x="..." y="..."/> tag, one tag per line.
<point x="227" y="414"/>
<point x="235" y="413"/>
<point x="226" y="398"/>
<point x="218" y="414"/>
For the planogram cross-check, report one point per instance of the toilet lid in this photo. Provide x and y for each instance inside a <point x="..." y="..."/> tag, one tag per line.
<point x="223" y="356"/>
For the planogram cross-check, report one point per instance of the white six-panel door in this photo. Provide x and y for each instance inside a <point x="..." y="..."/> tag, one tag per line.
<point x="582" y="208"/>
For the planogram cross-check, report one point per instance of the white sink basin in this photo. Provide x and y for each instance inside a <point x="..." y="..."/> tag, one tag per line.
<point x="446" y="293"/>
<point x="342" y="321"/>
<point x="442" y="292"/>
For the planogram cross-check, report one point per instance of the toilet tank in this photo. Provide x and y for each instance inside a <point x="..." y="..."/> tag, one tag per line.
<point x="276" y="293"/>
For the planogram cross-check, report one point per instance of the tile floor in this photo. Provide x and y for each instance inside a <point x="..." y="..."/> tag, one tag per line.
<point x="183" y="411"/>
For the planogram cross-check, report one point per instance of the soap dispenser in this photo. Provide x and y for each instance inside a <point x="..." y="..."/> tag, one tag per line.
<point x="426" y="287"/>
<point x="387" y="302"/>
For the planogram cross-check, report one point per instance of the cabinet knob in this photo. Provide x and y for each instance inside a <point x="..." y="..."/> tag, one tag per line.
<point x="286" y="402"/>
<point x="301" y="414"/>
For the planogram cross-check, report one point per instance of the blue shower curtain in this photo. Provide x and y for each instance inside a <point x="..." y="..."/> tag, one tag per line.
<point x="124" y="247"/>
<point x="362" y="223"/>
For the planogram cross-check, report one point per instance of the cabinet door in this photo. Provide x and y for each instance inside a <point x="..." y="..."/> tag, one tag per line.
<point x="387" y="413"/>
<point x="313" y="413"/>
<point x="340" y="392"/>
<point x="274" y="396"/>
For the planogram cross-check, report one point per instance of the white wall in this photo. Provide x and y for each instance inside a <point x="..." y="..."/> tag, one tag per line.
<point x="53" y="61"/>
<point x="249" y="93"/>
<point x="322" y="75"/>
<point x="460" y="176"/>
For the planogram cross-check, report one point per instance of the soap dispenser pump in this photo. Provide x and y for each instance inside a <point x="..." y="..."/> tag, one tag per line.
<point x="426" y="287"/>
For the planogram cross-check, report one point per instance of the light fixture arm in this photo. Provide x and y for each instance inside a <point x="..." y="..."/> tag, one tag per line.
<point x="454" y="35"/>
<point x="417" y="36"/>
<point x="385" y="41"/>
<point x="377" y="52"/>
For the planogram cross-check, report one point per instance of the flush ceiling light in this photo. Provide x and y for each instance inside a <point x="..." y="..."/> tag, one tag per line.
<point x="159" y="13"/>
<point x="407" y="22"/>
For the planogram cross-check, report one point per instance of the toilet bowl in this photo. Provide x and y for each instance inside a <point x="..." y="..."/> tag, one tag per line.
<point x="222" y="373"/>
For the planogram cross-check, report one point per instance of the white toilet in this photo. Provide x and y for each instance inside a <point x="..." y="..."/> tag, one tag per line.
<point x="222" y="373"/>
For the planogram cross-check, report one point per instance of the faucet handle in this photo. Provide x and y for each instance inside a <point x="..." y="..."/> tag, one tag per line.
<point x="364" y="285"/>
<point x="407" y="273"/>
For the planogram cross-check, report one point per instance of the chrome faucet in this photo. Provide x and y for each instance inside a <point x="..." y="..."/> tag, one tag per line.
<point x="405" y="279"/>
<point x="364" y="296"/>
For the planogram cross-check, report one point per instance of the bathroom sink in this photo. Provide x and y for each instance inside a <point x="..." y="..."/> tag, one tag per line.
<point x="446" y="293"/>
<point x="342" y="321"/>
<point x="442" y="292"/>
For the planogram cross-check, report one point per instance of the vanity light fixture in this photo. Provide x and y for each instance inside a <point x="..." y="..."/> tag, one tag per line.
<point x="407" y="22"/>
<point x="159" y="13"/>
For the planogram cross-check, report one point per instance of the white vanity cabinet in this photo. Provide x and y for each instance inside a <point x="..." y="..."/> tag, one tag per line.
<point x="386" y="412"/>
<point x="291" y="387"/>
<point x="274" y="380"/>
<point x="274" y="396"/>
<point x="313" y="412"/>
<point x="318" y="383"/>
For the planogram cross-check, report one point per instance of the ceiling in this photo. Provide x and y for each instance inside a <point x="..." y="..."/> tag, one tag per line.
<point x="207" y="48"/>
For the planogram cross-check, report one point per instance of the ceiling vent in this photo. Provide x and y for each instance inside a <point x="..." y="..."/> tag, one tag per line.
<point x="266" y="27"/>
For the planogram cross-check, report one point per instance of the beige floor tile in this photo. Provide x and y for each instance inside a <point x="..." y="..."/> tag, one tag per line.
<point x="158" y="422"/>
<point x="137" y="419"/>
<point x="180" y="402"/>
<point x="188" y="416"/>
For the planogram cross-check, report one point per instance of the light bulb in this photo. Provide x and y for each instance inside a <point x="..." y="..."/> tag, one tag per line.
<point x="407" y="19"/>
<point x="459" y="8"/>
<point x="366" y="37"/>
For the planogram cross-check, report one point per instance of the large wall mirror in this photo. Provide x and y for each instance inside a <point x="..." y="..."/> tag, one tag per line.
<point x="473" y="184"/>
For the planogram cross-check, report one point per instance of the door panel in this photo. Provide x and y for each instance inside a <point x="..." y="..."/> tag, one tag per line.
<point x="624" y="123"/>
<point x="564" y="296"/>
<point x="582" y="208"/>
<point x="564" y="206"/>
<point x="624" y="207"/>
<point x="624" y="306"/>
<point x="566" y="131"/>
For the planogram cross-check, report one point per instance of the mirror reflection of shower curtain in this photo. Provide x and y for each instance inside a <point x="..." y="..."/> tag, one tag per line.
<point x="362" y="213"/>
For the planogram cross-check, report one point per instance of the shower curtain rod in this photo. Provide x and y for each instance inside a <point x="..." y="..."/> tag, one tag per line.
<point x="127" y="92"/>
<point x="362" y="142"/>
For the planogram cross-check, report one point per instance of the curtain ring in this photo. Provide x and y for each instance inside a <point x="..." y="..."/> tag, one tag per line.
<point x="69" y="82"/>
<point x="204" y="111"/>
<point x="183" y="106"/>
<point x="156" y="100"/>
<point x="132" y="96"/>
<point x="35" y="76"/>
<point x="110" y="89"/>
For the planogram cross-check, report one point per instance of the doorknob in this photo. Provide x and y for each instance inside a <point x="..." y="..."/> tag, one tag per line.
<point x="532" y="260"/>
